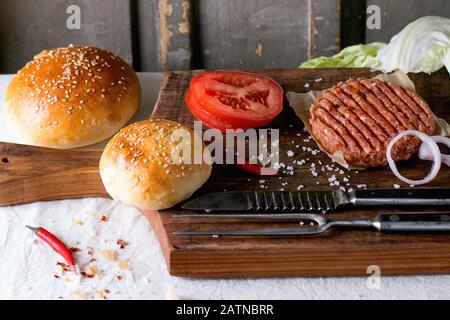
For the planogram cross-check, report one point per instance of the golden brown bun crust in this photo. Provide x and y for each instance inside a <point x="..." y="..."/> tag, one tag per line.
<point x="72" y="97"/>
<point x="137" y="166"/>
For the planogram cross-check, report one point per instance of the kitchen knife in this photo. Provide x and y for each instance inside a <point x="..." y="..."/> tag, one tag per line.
<point x="317" y="201"/>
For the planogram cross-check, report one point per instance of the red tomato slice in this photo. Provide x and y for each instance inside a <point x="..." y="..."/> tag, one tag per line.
<point x="211" y="120"/>
<point x="257" y="170"/>
<point x="235" y="96"/>
<point x="204" y="116"/>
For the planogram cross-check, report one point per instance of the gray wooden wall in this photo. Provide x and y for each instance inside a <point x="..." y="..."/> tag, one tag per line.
<point x="157" y="35"/>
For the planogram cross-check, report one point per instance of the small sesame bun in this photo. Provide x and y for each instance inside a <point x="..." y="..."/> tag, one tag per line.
<point x="145" y="165"/>
<point x="72" y="97"/>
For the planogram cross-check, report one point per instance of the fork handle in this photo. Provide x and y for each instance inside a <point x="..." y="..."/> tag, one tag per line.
<point x="413" y="222"/>
<point x="401" y="197"/>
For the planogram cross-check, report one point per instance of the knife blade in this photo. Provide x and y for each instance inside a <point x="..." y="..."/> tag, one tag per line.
<point x="317" y="201"/>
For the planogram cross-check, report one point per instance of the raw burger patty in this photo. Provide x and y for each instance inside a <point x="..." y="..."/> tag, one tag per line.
<point x="361" y="116"/>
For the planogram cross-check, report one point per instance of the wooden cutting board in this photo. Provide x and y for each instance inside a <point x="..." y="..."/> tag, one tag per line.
<point x="338" y="252"/>
<point x="31" y="174"/>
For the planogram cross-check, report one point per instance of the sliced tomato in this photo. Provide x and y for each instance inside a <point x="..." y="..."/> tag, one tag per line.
<point x="204" y="116"/>
<point x="257" y="170"/>
<point x="211" y="120"/>
<point x="236" y="97"/>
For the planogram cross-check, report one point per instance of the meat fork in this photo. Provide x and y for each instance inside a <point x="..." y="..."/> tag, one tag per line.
<point x="317" y="224"/>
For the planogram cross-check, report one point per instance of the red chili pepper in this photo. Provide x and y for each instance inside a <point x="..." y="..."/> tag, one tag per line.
<point x="56" y="244"/>
<point x="255" y="169"/>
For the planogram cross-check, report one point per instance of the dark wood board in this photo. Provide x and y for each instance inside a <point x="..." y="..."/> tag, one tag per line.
<point x="338" y="252"/>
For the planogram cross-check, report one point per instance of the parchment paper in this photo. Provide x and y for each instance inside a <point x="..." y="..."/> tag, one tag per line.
<point x="302" y="102"/>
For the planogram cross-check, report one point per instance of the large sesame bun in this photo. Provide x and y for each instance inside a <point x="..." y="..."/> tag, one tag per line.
<point x="139" y="165"/>
<point x="72" y="97"/>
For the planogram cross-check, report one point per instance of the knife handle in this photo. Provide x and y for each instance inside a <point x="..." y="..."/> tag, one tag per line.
<point x="413" y="222"/>
<point x="402" y="197"/>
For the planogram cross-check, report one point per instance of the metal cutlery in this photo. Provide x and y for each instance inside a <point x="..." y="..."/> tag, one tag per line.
<point x="317" y="201"/>
<point x="317" y="224"/>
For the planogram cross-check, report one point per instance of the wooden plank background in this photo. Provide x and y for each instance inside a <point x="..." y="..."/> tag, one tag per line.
<point x="157" y="35"/>
<point x="29" y="26"/>
<point x="397" y="14"/>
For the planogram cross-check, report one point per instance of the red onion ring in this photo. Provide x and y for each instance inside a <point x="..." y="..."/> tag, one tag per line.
<point x="434" y="151"/>
<point x="425" y="153"/>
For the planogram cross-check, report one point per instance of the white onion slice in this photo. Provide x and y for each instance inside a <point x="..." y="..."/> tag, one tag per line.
<point x="435" y="152"/>
<point x="425" y="153"/>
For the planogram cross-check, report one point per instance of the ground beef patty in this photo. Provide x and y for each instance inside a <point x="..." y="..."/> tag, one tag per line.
<point x="361" y="116"/>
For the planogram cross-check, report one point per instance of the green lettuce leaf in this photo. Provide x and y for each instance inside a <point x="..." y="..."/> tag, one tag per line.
<point x="422" y="46"/>
<point x="358" y="56"/>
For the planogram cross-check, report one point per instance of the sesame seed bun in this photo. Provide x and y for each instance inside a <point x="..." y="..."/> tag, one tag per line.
<point x="139" y="166"/>
<point x="72" y="97"/>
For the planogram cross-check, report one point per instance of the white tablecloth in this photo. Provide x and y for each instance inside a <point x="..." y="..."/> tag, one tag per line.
<point x="28" y="267"/>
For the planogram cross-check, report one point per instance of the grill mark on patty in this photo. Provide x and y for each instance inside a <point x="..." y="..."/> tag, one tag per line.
<point x="375" y="103"/>
<point x="398" y="103"/>
<point x="392" y="118"/>
<point x="354" y="132"/>
<point x="431" y="125"/>
<point x="348" y="114"/>
<point x="407" y="104"/>
<point x="356" y="115"/>
<point x="379" y="119"/>
<point x="410" y="144"/>
<point x="326" y="118"/>
<point x="398" y="113"/>
<point x="330" y="134"/>
<point x="354" y="108"/>
<point x="420" y="102"/>
<point x="406" y="123"/>
<point x="423" y="115"/>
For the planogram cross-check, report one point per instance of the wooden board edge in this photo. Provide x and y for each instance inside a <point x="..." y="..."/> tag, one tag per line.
<point x="165" y="80"/>
<point x="155" y="220"/>
<point x="288" y="263"/>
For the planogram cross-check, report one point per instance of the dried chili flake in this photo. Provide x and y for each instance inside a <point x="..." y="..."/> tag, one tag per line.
<point x="90" y="251"/>
<point x="63" y="266"/>
<point x="104" y="218"/>
<point x="122" y="243"/>
<point x="119" y="278"/>
<point x="87" y="275"/>
<point x="74" y="249"/>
